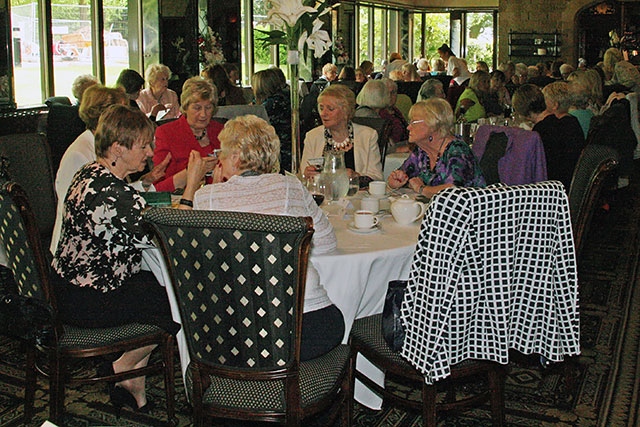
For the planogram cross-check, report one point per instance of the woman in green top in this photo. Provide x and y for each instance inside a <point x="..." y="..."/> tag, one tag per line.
<point x="469" y="105"/>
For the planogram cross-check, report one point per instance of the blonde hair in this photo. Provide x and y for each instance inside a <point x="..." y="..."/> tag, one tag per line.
<point x="413" y="72"/>
<point x="436" y="113"/>
<point x="96" y="99"/>
<point x="153" y="71"/>
<point x="345" y="97"/>
<point x="374" y="94"/>
<point x="198" y="89"/>
<point x="254" y="141"/>
<point x="611" y="57"/>
<point x="558" y="92"/>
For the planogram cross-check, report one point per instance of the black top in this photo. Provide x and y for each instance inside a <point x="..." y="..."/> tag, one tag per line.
<point x="563" y="141"/>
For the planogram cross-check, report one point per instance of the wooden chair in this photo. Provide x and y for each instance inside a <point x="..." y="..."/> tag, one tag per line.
<point x="383" y="127"/>
<point x="24" y="251"/>
<point x="29" y="164"/>
<point x="486" y="259"/>
<point x="596" y="167"/>
<point x="241" y="294"/>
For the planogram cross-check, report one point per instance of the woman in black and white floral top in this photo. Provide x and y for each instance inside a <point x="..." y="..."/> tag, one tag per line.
<point x="97" y="266"/>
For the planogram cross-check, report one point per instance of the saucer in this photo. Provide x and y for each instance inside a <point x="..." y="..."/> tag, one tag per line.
<point x="352" y="227"/>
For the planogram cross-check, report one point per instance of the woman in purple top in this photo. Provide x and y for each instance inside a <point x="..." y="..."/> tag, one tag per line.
<point x="439" y="160"/>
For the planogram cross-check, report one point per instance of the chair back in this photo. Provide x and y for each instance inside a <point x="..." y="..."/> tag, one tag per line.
<point x="510" y="155"/>
<point x="230" y="111"/>
<point x="494" y="270"/>
<point x="20" y="243"/>
<point x="383" y="127"/>
<point x="30" y="166"/>
<point x="596" y="166"/>
<point x="239" y="281"/>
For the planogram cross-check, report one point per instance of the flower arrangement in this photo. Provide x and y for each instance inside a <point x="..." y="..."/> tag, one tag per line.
<point x="297" y="25"/>
<point x="209" y="48"/>
<point x="340" y="52"/>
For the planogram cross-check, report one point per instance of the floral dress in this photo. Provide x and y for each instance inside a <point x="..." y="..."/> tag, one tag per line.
<point x="102" y="236"/>
<point x="457" y="165"/>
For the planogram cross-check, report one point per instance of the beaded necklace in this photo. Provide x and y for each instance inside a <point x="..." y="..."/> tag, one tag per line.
<point x="201" y="136"/>
<point x="345" y="145"/>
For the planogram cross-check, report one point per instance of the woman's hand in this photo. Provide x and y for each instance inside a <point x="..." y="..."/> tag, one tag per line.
<point x="157" y="172"/>
<point x="351" y="173"/>
<point x="310" y="171"/>
<point x="156" y="109"/>
<point x="397" y="178"/>
<point x="416" y="184"/>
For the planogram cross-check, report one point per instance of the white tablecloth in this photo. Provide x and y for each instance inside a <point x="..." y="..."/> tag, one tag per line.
<point x="392" y="162"/>
<point x="355" y="277"/>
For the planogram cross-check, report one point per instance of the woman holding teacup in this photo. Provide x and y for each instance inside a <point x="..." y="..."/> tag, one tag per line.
<point x="336" y="105"/>
<point x="247" y="180"/>
<point x="439" y="160"/>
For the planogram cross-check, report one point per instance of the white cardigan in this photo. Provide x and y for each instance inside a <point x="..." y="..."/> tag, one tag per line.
<point x="366" y="152"/>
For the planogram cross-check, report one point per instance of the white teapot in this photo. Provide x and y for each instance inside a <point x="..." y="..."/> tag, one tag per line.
<point x="405" y="210"/>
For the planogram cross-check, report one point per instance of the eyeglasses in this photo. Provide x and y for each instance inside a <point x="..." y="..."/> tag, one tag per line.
<point x="415" y="122"/>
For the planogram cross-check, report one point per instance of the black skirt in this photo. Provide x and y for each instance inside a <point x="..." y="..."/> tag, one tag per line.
<point x="140" y="299"/>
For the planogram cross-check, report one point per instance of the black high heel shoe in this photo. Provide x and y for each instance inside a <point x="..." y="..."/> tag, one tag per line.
<point x="106" y="370"/>
<point x="121" y="397"/>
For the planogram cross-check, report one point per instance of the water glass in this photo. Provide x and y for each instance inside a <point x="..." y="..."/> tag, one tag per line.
<point x="354" y="185"/>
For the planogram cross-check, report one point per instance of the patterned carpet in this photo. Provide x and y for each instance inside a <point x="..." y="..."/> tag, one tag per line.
<point x="602" y="390"/>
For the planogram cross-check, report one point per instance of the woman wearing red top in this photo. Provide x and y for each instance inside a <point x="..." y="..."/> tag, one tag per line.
<point x="194" y="130"/>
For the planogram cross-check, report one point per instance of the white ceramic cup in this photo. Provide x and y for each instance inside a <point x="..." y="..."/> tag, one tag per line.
<point x="364" y="219"/>
<point x="377" y="188"/>
<point x="370" y="204"/>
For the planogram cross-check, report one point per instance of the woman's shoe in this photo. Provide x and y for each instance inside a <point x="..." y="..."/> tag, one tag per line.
<point x="121" y="397"/>
<point x="106" y="370"/>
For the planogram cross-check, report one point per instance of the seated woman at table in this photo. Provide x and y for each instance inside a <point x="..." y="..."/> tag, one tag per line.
<point x="96" y="99"/>
<point x="270" y="91"/>
<point x="439" y="160"/>
<point x="431" y="88"/>
<point x="157" y="100"/>
<point x="337" y="104"/>
<point x="246" y="180"/>
<point x="194" y="130"/>
<point x="373" y="101"/>
<point x="96" y="270"/>
<point x="561" y="134"/>
<point x="470" y="104"/>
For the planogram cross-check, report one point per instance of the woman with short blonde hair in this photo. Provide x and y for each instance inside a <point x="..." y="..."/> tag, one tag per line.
<point x="439" y="160"/>
<point x="245" y="181"/>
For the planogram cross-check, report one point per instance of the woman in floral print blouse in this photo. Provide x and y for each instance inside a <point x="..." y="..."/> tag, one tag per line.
<point x="439" y="160"/>
<point x="97" y="273"/>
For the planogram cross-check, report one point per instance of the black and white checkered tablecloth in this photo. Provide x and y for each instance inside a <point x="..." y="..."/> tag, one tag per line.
<point x="494" y="270"/>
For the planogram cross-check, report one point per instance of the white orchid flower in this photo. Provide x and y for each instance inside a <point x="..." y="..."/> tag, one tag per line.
<point x="287" y="12"/>
<point x="319" y="40"/>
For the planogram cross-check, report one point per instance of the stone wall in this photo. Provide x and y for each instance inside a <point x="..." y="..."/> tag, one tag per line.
<point x="543" y="16"/>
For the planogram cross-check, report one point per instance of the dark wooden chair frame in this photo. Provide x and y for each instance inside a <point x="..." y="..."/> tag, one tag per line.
<point x="294" y="413"/>
<point x="428" y="406"/>
<point x="383" y="127"/>
<point x="59" y="357"/>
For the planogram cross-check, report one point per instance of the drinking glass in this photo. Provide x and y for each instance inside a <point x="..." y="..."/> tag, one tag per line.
<point x="354" y="186"/>
<point x="317" y="189"/>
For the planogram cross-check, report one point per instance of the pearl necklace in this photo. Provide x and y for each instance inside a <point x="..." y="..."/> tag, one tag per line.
<point x="340" y="146"/>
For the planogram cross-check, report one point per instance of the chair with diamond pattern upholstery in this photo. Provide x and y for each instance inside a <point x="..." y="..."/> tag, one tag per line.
<point x="239" y="281"/>
<point x="19" y="239"/>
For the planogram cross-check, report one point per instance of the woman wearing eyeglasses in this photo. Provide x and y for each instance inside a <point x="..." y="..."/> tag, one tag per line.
<point x="439" y="160"/>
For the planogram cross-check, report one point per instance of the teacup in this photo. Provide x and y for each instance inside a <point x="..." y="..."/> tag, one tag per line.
<point x="364" y="219"/>
<point x="370" y="204"/>
<point x="377" y="188"/>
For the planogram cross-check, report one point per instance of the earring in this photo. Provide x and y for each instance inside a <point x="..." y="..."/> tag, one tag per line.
<point x="114" y="162"/>
<point x="430" y="140"/>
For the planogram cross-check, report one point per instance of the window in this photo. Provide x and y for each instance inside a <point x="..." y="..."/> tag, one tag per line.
<point x="479" y="38"/>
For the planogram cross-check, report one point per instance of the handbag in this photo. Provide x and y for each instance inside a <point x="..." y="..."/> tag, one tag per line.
<point x="392" y="326"/>
<point x="26" y="318"/>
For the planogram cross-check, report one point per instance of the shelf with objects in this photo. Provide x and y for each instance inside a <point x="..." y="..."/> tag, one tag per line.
<point x="532" y="44"/>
